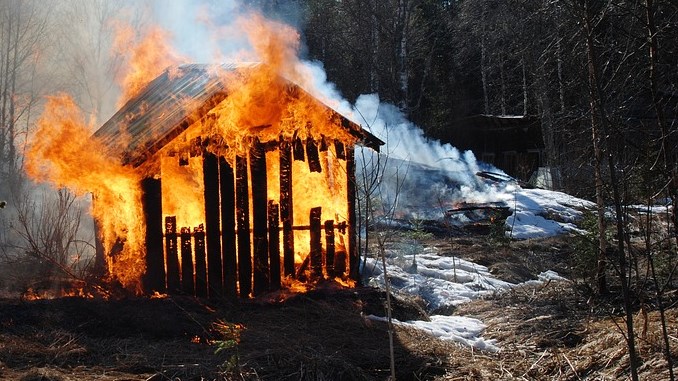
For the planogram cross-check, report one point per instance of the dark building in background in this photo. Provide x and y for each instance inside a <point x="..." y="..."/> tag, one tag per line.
<point x="513" y="144"/>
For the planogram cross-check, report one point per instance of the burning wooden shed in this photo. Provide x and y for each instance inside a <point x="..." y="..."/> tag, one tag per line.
<point x="247" y="182"/>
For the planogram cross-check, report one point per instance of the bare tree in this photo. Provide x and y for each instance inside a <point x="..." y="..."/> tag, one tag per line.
<point x="49" y="236"/>
<point x="23" y="29"/>
<point x="84" y="53"/>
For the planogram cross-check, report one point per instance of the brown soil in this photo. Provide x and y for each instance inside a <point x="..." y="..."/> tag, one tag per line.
<point x="552" y="331"/>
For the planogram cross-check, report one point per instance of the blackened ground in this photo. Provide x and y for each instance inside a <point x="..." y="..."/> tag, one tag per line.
<point x="554" y="331"/>
<point x="318" y="335"/>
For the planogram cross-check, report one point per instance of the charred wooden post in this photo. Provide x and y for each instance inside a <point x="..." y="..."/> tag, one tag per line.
<point x="340" y="150"/>
<point x="353" y="258"/>
<point x="99" y="251"/>
<point x="242" y="209"/>
<point x="154" y="279"/>
<point x="211" y="180"/>
<point x="274" y="243"/>
<point x="228" y="249"/>
<point x="171" y="252"/>
<point x="200" y="265"/>
<point x="329" y="248"/>
<point x="298" y="149"/>
<point x="259" y="217"/>
<point x="286" y="206"/>
<point x="313" y="156"/>
<point x="187" y="283"/>
<point x="316" y="246"/>
<point x="340" y="260"/>
<point x="323" y="144"/>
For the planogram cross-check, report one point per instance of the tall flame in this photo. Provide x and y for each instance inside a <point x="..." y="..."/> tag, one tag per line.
<point x="63" y="153"/>
<point x="274" y="43"/>
<point x="146" y="56"/>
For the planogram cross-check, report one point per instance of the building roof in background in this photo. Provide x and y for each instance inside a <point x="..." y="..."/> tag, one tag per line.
<point x="171" y="103"/>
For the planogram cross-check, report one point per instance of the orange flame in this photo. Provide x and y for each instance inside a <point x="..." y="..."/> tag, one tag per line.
<point x="146" y="56"/>
<point x="63" y="153"/>
<point x="274" y="43"/>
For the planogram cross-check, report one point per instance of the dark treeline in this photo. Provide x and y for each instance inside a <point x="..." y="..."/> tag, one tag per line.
<point x="444" y="60"/>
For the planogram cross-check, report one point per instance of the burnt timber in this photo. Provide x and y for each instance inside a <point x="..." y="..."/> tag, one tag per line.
<point x="246" y="244"/>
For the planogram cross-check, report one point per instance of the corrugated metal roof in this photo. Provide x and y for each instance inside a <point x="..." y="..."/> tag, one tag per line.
<point x="170" y="104"/>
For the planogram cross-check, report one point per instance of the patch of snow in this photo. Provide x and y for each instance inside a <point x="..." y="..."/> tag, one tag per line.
<point x="534" y="210"/>
<point x="460" y="329"/>
<point x="447" y="281"/>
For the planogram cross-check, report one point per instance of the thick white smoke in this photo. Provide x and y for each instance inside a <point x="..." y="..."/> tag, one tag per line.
<point x="424" y="177"/>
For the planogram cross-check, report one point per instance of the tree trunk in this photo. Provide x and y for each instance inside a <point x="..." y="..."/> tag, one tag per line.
<point x="483" y="68"/>
<point x="523" y="66"/>
<point x="374" y="45"/>
<point x="598" y="114"/>
<point x="668" y="164"/>
<point x="403" y="77"/>
<point x="502" y="85"/>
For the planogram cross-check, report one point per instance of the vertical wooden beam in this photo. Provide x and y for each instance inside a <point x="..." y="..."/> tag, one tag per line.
<point x="172" y="254"/>
<point x="286" y="206"/>
<point x="200" y="265"/>
<point x="100" y="268"/>
<point x="187" y="283"/>
<point x="323" y="144"/>
<point x="313" y="156"/>
<point x="340" y="261"/>
<point x="151" y="200"/>
<point x="298" y="149"/>
<point x="340" y="150"/>
<point x="329" y="248"/>
<point x="316" y="246"/>
<point x="353" y="259"/>
<point x="242" y="212"/>
<point x="274" y="243"/>
<point x="259" y="217"/>
<point x="228" y="249"/>
<point x="210" y="170"/>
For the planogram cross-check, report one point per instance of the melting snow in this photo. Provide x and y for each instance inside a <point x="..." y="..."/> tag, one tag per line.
<point x="542" y="213"/>
<point x="444" y="281"/>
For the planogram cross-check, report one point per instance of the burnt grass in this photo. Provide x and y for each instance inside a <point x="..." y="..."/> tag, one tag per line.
<point x="553" y="330"/>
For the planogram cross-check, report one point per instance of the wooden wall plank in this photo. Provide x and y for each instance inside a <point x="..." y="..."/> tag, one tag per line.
<point x="228" y="238"/>
<point x="339" y="150"/>
<point x="313" y="156"/>
<point x="187" y="281"/>
<point x="259" y="218"/>
<point x="315" y="244"/>
<point x="243" y="223"/>
<point x="298" y="149"/>
<point x="286" y="206"/>
<point x="212" y="229"/>
<point x="172" y="255"/>
<point x="274" y="243"/>
<point x="200" y="263"/>
<point x="329" y="248"/>
<point x="154" y="279"/>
